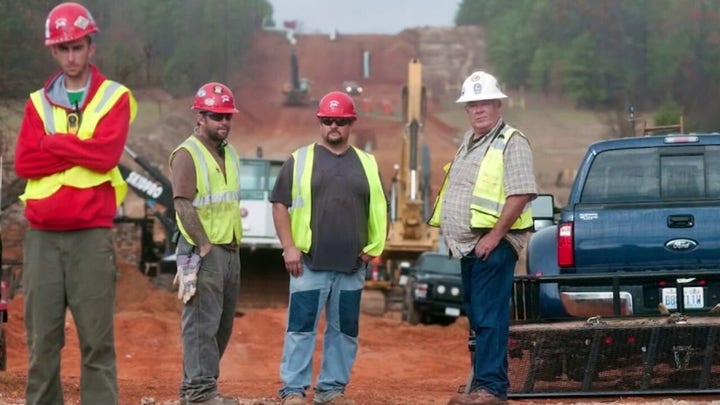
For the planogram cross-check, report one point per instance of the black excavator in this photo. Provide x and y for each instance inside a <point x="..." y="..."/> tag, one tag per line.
<point x="156" y="190"/>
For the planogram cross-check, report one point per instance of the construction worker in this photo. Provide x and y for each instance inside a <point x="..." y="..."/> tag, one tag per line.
<point x="485" y="226"/>
<point x="206" y="191"/>
<point x="330" y="215"/>
<point x="68" y="148"/>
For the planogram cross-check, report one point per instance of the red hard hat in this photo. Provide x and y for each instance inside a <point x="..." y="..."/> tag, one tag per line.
<point x="214" y="97"/>
<point x="336" y="104"/>
<point x="68" y="22"/>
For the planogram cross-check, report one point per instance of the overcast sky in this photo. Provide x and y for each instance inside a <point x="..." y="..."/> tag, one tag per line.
<point x="365" y="16"/>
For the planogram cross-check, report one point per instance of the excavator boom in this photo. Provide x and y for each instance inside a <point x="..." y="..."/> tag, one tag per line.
<point x="408" y="235"/>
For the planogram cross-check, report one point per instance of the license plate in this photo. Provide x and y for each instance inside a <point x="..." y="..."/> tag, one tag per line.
<point x="694" y="297"/>
<point x="452" y="311"/>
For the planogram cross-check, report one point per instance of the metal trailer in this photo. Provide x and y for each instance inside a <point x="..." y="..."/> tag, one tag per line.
<point x="676" y="352"/>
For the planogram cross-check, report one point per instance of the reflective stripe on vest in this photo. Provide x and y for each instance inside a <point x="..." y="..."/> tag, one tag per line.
<point x="217" y="200"/>
<point x="488" y="197"/>
<point x="301" y="210"/>
<point x="55" y="121"/>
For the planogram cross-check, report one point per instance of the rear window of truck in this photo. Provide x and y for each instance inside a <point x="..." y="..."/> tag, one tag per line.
<point x="654" y="174"/>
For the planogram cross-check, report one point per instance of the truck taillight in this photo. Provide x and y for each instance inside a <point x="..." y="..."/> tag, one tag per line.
<point x="565" y="253"/>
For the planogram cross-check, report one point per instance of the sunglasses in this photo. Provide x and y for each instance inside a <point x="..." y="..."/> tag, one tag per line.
<point x="341" y="122"/>
<point x="218" y="116"/>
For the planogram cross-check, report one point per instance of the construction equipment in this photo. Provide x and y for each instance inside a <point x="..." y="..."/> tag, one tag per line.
<point x="154" y="188"/>
<point x="408" y="234"/>
<point x="296" y="90"/>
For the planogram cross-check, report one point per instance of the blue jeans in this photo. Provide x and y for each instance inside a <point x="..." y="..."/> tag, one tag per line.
<point x="207" y="321"/>
<point x="486" y="296"/>
<point x="339" y="293"/>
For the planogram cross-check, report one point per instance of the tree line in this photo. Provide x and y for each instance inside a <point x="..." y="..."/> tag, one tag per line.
<point x="173" y="44"/>
<point x="654" y="54"/>
<point x="601" y="53"/>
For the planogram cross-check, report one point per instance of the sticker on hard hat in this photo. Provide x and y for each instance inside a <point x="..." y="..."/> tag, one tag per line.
<point x="210" y="102"/>
<point x="225" y="99"/>
<point x="334" y="104"/>
<point x="60" y="22"/>
<point x="217" y="89"/>
<point x="201" y="93"/>
<point x="475" y="78"/>
<point x="81" y="22"/>
<point x="477" y="88"/>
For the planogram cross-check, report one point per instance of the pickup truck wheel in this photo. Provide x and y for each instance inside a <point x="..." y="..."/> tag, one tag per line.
<point x="412" y="316"/>
<point x="443" y="320"/>
<point x="3" y="349"/>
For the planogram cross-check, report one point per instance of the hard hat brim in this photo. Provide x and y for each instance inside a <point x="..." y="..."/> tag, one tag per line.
<point x="466" y="99"/>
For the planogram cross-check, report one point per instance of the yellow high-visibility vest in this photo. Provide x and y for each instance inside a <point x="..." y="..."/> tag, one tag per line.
<point x="55" y="121"/>
<point x="488" y="197"/>
<point x="218" y="197"/>
<point x="301" y="210"/>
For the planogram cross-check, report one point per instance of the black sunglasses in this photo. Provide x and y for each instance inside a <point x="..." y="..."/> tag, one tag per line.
<point x="218" y="116"/>
<point x="341" y="122"/>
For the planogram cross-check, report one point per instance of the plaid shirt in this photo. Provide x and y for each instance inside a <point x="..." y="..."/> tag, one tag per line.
<point x="518" y="179"/>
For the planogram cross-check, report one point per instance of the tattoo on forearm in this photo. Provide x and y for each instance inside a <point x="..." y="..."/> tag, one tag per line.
<point x="191" y="221"/>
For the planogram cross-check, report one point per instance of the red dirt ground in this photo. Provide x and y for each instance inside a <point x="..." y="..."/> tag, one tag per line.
<point x="397" y="363"/>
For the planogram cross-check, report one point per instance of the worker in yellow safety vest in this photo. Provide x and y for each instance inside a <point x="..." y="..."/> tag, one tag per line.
<point x="68" y="148"/>
<point x="330" y="214"/>
<point x="483" y="210"/>
<point x="206" y="193"/>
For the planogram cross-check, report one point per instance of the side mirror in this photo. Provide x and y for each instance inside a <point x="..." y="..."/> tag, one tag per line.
<point x="543" y="211"/>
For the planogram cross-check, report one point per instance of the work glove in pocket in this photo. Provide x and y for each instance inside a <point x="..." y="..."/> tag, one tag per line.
<point x="186" y="277"/>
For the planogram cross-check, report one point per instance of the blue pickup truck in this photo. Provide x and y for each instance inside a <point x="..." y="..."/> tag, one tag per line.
<point x="638" y="205"/>
<point x="627" y="282"/>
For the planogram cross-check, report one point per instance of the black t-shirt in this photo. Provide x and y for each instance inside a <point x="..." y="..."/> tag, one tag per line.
<point x="340" y="208"/>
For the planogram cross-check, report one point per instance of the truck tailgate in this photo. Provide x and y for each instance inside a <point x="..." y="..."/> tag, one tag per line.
<point x="647" y="236"/>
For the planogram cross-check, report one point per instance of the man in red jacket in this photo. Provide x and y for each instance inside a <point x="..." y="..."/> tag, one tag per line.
<point x="68" y="148"/>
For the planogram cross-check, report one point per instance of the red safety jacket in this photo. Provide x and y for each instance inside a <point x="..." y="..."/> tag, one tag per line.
<point x="39" y="155"/>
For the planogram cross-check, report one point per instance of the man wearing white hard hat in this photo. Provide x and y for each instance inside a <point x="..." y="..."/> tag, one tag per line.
<point x="485" y="226"/>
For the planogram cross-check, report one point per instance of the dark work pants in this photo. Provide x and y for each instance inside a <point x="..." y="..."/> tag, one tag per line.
<point x="207" y="321"/>
<point x="75" y="270"/>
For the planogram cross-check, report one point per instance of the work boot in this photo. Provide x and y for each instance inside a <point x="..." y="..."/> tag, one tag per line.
<point x="479" y="397"/>
<point x="339" y="399"/>
<point x="294" y="399"/>
<point x="216" y="400"/>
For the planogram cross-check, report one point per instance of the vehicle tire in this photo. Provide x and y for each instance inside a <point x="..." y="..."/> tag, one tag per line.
<point x="443" y="320"/>
<point x="3" y="349"/>
<point x="412" y="315"/>
<point x="373" y="302"/>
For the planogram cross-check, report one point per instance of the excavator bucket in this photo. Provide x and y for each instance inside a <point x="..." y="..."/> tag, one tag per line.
<point x="668" y="354"/>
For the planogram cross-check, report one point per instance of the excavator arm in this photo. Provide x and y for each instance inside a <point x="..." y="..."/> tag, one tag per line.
<point x="409" y="235"/>
<point x="408" y="229"/>
<point x="155" y="189"/>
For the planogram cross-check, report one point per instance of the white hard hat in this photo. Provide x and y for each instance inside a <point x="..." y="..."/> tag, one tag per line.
<point x="480" y="86"/>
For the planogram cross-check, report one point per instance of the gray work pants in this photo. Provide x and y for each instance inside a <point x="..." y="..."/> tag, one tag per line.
<point x="75" y="270"/>
<point x="207" y="321"/>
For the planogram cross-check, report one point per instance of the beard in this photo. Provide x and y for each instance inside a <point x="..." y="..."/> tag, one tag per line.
<point x="215" y="135"/>
<point x="334" y="140"/>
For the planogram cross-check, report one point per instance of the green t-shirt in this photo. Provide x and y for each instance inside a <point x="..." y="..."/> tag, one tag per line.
<point x="75" y="97"/>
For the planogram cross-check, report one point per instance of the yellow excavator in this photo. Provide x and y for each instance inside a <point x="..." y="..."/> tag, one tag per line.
<point x="408" y="235"/>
